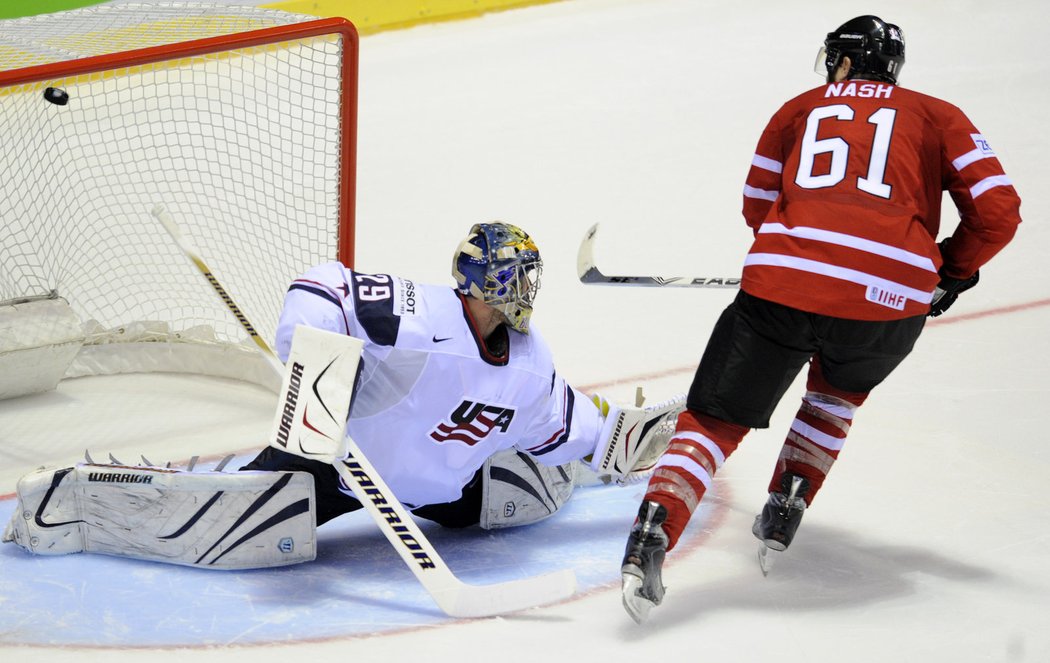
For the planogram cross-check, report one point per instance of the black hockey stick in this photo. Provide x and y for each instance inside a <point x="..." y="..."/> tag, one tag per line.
<point x="590" y="274"/>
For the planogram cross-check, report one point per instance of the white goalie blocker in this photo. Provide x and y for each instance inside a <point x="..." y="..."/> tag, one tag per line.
<point x="315" y="394"/>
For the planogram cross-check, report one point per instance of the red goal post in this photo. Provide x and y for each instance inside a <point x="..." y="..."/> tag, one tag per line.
<point x="240" y="121"/>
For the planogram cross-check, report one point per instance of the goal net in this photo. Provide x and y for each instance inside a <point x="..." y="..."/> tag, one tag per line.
<point x="239" y="121"/>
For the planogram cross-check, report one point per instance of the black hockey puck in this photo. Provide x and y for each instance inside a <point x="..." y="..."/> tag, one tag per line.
<point x="56" y="96"/>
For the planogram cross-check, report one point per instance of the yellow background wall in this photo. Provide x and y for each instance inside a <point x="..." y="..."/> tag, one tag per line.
<point x="367" y="15"/>
<point x="371" y="16"/>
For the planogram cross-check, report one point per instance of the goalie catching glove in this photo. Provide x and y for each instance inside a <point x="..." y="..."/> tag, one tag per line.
<point x="634" y="438"/>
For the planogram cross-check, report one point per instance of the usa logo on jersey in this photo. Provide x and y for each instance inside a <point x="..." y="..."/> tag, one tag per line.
<point x="472" y="422"/>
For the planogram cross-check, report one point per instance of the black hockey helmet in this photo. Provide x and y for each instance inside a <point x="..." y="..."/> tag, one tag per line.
<point x="875" y="49"/>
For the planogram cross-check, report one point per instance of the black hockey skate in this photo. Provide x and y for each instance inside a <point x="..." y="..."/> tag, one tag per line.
<point x="643" y="587"/>
<point x="775" y="527"/>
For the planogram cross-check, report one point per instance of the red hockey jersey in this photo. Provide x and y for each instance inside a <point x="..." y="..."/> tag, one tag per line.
<point x="844" y="196"/>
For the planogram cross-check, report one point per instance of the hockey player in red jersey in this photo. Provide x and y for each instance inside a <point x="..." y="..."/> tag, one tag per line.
<point x="843" y="197"/>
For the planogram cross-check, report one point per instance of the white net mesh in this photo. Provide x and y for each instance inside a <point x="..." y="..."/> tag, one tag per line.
<point x="119" y="28"/>
<point x="243" y="147"/>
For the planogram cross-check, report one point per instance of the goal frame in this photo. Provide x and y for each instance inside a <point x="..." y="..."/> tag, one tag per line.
<point x="152" y="54"/>
<point x="135" y="348"/>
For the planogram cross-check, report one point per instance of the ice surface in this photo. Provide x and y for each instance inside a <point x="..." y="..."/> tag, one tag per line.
<point x="926" y="543"/>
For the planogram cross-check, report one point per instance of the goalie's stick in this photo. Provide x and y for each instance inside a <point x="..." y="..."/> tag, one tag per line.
<point x="191" y="252"/>
<point x="453" y="596"/>
<point x="320" y="363"/>
<point x="590" y="274"/>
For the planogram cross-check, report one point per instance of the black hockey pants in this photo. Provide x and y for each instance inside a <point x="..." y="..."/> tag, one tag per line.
<point x="758" y="347"/>
<point x="332" y="502"/>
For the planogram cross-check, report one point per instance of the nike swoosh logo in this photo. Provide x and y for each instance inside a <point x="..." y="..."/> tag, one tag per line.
<point x="440" y="340"/>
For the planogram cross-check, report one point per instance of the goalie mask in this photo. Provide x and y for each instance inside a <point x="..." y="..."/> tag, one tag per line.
<point x="499" y="264"/>
<point x="875" y="49"/>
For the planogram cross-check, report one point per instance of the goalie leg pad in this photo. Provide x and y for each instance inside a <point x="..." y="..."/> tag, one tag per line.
<point x="518" y="490"/>
<point x="215" y="520"/>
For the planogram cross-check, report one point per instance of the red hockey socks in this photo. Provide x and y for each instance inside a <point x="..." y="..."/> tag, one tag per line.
<point x="817" y="434"/>
<point x="683" y="474"/>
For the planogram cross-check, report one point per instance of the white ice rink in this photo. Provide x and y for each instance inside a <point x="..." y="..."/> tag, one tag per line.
<point x="928" y="543"/>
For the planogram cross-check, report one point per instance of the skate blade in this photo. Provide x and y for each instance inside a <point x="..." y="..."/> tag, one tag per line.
<point x="766" y="557"/>
<point x="636" y="606"/>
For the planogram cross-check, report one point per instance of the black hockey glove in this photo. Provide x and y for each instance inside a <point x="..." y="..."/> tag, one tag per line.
<point x="948" y="291"/>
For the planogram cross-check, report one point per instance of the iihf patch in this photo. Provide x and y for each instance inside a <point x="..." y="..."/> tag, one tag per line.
<point x="286" y="545"/>
<point x="508" y="509"/>
<point x="890" y="299"/>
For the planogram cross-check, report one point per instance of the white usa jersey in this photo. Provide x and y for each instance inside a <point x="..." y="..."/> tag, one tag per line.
<point x="433" y="403"/>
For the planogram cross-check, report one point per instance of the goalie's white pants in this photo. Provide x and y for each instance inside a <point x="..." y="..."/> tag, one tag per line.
<point x="213" y="520"/>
